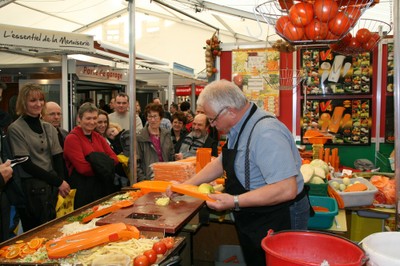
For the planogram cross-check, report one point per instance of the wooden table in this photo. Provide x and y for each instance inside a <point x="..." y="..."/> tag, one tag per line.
<point x="186" y="208"/>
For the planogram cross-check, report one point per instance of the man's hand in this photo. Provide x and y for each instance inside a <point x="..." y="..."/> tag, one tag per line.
<point x="6" y="170"/>
<point x="64" y="189"/>
<point x="178" y="156"/>
<point x="223" y="201"/>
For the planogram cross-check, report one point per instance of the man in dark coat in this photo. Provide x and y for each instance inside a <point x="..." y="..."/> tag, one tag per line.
<point x="5" y="175"/>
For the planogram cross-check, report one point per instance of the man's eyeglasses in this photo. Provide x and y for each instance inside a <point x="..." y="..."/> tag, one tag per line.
<point x="54" y="114"/>
<point x="212" y="120"/>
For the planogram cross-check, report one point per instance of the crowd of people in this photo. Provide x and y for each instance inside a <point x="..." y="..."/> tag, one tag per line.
<point x="262" y="194"/>
<point x="59" y="161"/>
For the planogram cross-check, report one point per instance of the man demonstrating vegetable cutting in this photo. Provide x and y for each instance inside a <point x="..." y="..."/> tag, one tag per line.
<point x="264" y="185"/>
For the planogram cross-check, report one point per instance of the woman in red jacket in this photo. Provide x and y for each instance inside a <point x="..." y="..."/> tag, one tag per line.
<point x="82" y="141"/>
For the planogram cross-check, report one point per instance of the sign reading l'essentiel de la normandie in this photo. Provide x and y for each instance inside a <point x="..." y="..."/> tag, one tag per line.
<point x="45" y="39"/>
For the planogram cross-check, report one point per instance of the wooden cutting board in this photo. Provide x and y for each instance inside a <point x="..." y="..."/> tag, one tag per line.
<point x="147" y="216"/>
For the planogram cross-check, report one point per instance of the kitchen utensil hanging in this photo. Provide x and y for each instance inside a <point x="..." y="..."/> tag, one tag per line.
<point x="288" y="79"/>
<point x="312" y="27"/>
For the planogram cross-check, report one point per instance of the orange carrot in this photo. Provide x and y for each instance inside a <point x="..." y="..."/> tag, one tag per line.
<point x="320" y="209"/>
<point x="356" y="187"/>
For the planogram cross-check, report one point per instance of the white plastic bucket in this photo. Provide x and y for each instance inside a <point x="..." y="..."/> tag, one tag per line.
<point x="382" y="249"/>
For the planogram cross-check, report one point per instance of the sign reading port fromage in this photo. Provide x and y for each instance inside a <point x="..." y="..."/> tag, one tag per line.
<point x="45" y="39"/>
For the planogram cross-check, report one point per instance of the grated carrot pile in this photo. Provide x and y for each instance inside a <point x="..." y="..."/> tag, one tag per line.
<point x="386" y="189"/>
<point x="174" y="171"/>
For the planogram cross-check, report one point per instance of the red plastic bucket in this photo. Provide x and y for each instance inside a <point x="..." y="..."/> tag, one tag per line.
<point x="295" y="248"/>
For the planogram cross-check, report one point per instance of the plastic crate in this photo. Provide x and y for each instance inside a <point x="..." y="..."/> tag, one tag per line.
<point x="318" y="189"/>
<point x="358" y="198"/>
<point x="229" y="255"/>
<point x="323" y="220"/>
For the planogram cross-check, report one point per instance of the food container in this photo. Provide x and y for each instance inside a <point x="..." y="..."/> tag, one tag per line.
<point x="312" y="248"/>
<point x="318" y="189"/>
<point x="229" y="255"/>
<point x="357" y="198"/>
<point x="382" y="248"/>
<point x="323" y="220"/>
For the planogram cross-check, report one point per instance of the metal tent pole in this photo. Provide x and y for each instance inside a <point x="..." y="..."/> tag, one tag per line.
<point x="396" y="91"/>
<point x="132" y="93"/>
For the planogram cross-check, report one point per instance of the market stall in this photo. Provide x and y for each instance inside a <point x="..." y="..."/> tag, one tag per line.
<point x="91" y="234"/>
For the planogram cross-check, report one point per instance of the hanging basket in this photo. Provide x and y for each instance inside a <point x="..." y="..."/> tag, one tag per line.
<point x="288" y="79"/>
<point x="363" y="37"/>
<point x="312" y="21"/>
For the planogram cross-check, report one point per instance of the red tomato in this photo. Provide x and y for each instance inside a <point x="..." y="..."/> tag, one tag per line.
<point x="159" y="247"/>
<point x="293" y="33"/>
<point x="363" y="35"/>
<point x="331" y="36"/>
<point x="169" y="242"/>
<point x="354" y="45"/>
<point x="301" y="14"/>
<point x="347" y="38"/>
<point x="316" y="30"/>
<point x="340" y="24"/>
<point x="280" y="24"/>
<point x="335" y="46"/>
<point x="375" y="36"/>
<point x="343" y="44"/>
<point x="325" y="10"/>
<point x="151" y="256"/>
<point x="141" y="260"/>
<point x="370" y="45"/>
<point x="353" y="13"/>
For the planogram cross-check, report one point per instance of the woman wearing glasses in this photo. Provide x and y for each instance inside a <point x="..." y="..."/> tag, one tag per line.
<point x="154" y="144"/>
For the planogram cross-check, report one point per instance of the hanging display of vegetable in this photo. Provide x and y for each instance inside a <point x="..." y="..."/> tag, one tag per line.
<point x="213" y="50"/>
<point x="363" y="38"/>
<point x="318" y="21"/>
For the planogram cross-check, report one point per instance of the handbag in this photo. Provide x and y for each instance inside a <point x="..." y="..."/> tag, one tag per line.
<point x="102" y="165"/>
<point x="13" y="188"/>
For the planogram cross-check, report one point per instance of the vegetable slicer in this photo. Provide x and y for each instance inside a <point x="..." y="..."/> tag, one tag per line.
<point x="62" y="247"/>
<point x="334" y="75"/>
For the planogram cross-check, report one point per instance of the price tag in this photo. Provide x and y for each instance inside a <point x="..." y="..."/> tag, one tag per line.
<point x="346" y="172"/>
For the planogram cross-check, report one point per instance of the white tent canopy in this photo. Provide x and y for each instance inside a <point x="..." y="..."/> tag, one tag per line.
<point x="171" y="30"/>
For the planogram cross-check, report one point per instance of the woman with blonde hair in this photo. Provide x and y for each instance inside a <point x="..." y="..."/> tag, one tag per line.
<point x="44" y="176"/>
<point x="102" y="122"/>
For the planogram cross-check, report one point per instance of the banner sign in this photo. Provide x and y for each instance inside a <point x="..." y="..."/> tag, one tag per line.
<point x="102" y="74"/>
<point x="45" y="39"/>
<point x="187" y="90"/>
